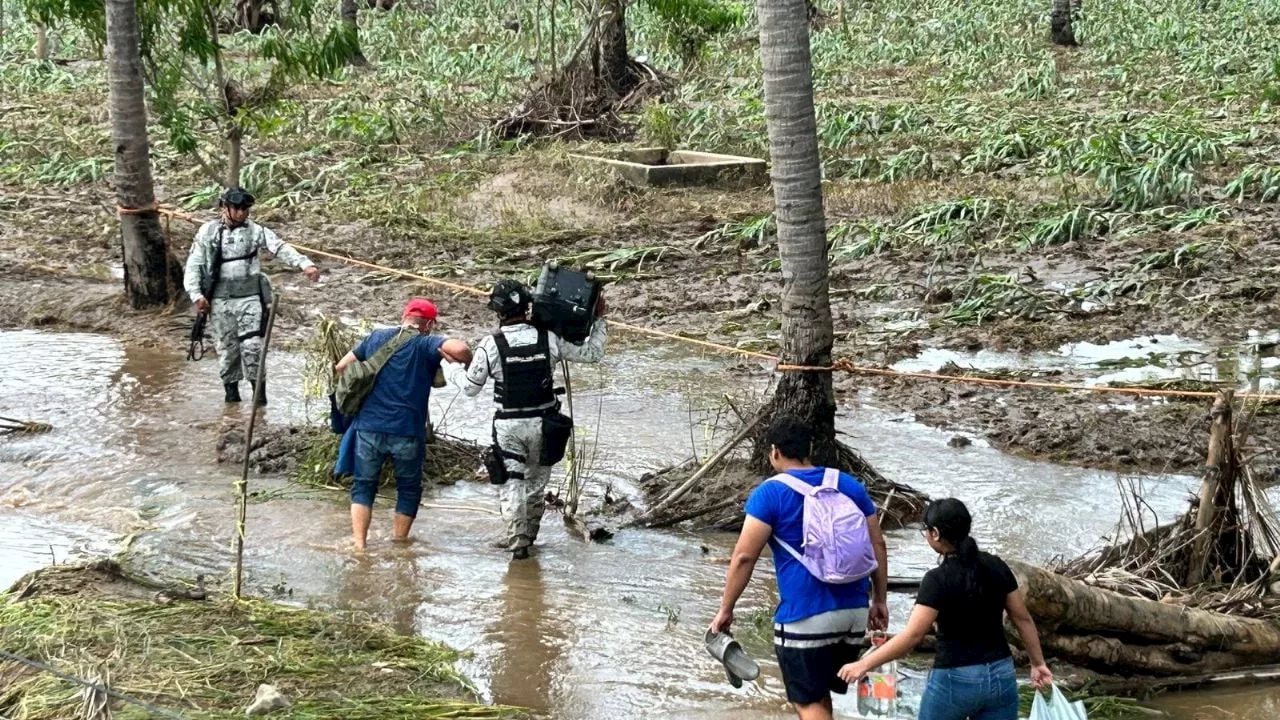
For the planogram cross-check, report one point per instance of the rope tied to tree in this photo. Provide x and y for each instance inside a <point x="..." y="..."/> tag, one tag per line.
<point x="844" y="365"/>
<point x="152" y="206"/>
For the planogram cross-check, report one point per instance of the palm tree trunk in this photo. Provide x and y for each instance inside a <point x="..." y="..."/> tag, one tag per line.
<point x="1060" y="24"/>
<point x="146" y="258"/>
<point x="802" y="243"/>
<point x="42" y="42"/>
<point x="235" y="156"/>
<point x="612" y="60"/>
<point x="347" y="10"/>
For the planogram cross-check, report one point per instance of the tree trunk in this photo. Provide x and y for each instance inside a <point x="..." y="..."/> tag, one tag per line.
<point x="612" y="63"/>
<point x="42" y="42"/>
<point x="1062" y="606"/>
<point x="1116" y="657"/>
<point x="1060" y="24"/>
<point x="1216" y="487"/>
<point x="349" y="19"/>
<point x="802" y="243"/>
<point x="146" y="259"/>
<point x="235" y="154"/>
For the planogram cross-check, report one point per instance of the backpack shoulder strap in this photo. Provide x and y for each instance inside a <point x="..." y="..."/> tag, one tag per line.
<point x="831" y="478"/>
<point x="794" y="483"/>
<point x="389" y="348"/>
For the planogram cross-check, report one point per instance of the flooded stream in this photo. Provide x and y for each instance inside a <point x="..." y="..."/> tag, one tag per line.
<point x="581" y="632"/>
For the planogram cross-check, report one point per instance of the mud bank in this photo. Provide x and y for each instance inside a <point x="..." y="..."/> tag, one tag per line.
<point x="1114" y="432"/>
<point x="200" y="657"/>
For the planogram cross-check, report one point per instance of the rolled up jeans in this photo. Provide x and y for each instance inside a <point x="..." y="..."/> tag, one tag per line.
<point x="972" y="692"/>
<point x="372" y="450"/>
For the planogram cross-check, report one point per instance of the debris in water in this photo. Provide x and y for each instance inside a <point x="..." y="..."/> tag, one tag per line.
<point x="25" y="427"/>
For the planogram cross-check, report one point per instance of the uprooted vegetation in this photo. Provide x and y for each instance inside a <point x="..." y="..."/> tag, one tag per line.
<point x="983" y="188"/>
<point x="205" y="659"/>
<point x="1192" y="595"/>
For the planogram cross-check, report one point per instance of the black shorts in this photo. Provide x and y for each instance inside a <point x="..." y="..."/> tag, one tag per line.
<point x="811" y="651"/>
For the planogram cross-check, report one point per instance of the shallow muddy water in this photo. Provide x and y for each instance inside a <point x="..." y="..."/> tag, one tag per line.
<point x="1251" y="364"/>
<point x="581" y="632"/>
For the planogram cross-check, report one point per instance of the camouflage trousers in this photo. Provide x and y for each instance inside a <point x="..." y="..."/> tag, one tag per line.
<point x="237" y="332"/>
<point x="524" y="494"/>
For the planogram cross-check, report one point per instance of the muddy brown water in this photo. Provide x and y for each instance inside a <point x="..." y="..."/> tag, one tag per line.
<point x="583" y="631"/>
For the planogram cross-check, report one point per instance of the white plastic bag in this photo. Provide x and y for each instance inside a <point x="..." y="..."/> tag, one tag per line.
<point x="1057" y="707"/>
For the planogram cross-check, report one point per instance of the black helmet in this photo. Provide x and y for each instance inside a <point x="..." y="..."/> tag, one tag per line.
<point x="236" y="197"/>
<point x="509" y="298"/>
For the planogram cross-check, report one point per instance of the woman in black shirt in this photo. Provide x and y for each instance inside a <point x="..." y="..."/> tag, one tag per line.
<point x="967" y="596"/>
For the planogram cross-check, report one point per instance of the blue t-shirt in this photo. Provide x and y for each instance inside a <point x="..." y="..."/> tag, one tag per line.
<point x="782" y="508"/>
<point x="397" y="405"/>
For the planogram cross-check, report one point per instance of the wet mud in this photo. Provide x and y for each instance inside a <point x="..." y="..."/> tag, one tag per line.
<point x="1122" y="434"/>
<point x="132" y="460"/>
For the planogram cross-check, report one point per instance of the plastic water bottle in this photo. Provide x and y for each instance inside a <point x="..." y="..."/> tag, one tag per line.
<point x="878" y="690"/>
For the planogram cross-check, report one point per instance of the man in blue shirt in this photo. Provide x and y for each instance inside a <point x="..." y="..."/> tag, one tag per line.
<point x="392" y="421"/>
<point x="818" y="626"/>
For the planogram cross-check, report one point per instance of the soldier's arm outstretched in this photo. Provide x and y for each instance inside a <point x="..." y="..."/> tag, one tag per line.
<point x="472" y="379"/>
<point x="285" y="253"/>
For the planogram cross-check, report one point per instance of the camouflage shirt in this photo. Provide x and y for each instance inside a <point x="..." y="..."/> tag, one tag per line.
<point x="240" y="248"/>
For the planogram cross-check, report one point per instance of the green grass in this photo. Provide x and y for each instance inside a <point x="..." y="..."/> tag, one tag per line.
<point x="206" y="659"/>
<point x="951" y="135"/>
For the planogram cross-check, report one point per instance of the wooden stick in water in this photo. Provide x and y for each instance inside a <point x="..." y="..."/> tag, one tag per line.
<point x="243" y="485"/>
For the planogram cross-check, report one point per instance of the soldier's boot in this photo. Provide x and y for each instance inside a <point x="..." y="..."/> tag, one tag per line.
<point x="232" y="392"/>
<point x="520" y="553"/>
<point x="261" y="397"/>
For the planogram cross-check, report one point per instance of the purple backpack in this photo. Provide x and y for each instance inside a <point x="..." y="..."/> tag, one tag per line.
<point x="837" y="545"/>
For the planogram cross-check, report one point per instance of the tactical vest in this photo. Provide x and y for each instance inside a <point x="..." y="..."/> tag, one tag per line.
<point x="526" y="390"/>
<point x="232" y="287"/>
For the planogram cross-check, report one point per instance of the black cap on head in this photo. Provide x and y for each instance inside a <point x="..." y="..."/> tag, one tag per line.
<point x="509" y="298"/>
<point x="236" y="197"/>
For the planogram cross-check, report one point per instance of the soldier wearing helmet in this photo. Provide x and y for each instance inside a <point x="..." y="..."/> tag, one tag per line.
<point x="224" y="280"/>
<point x="521" y="359"/>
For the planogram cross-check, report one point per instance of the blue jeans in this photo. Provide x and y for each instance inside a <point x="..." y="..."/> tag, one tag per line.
<point x="372" y="450"/>
<point x="972" y="692"/>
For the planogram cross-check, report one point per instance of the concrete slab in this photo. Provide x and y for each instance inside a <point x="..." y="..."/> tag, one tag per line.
<point x="659" y="167"/>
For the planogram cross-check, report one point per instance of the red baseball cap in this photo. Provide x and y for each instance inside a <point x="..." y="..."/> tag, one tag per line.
<point x="420" y="308"/>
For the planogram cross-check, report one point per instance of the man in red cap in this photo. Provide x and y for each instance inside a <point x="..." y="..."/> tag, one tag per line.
<point x="392" y="421"/>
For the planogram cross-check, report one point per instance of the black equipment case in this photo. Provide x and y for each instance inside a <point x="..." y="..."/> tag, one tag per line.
<point x="564" y="302"/>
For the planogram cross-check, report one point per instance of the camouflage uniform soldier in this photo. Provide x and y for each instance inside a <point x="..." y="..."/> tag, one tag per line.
<point x="223" y="269"/>
<point x="521" y="359"/>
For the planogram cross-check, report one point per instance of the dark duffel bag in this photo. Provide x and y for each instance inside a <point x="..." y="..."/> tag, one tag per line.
<point x="557" y="428"/>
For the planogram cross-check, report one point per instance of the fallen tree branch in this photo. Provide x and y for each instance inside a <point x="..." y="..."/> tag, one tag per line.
<point x="714" y="460"/>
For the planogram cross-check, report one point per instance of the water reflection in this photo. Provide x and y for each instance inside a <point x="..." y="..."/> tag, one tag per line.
<point x="532" y="641"/>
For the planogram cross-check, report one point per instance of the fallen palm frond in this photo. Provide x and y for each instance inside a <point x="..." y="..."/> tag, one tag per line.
<point x="24" y="427"/>
<point x="331" y="340"/>
<point x="206" y="659"/>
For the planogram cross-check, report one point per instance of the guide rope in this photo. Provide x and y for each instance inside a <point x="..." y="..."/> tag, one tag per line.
<point x="841" y="365"/>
